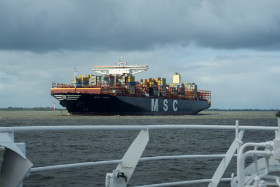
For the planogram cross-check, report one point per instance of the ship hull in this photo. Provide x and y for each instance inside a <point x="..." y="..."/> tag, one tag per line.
<point x="102" y="104"/>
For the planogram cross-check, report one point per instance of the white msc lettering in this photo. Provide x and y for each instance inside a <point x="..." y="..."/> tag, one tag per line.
<point x="154" y="105"/>
<point x="165" y="103"/>
<point x="175" y="108"/>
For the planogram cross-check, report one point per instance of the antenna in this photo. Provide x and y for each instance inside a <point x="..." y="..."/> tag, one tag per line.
<point x="75" y="70"/>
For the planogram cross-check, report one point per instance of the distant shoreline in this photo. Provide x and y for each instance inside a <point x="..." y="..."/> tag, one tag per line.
<point x="30" y="109"/>
<point x="242" y="109"/>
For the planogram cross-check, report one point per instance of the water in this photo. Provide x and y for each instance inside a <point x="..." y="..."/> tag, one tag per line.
<point x="50" y="148"/>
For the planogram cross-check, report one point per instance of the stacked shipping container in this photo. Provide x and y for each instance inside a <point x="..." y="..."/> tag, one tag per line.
<point x="126" y="85"/>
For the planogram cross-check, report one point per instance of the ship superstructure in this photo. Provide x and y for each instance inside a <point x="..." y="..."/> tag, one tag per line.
<point x="115" y="92"/>
<point x="120" y="69"/>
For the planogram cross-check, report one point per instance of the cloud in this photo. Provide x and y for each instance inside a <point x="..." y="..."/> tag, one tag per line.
<point x="241" y="80"/>
<point x="138" y="25"/>
<point x="228" y="47"/>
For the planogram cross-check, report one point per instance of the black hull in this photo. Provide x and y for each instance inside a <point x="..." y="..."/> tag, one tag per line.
<point x="99" y="104"/>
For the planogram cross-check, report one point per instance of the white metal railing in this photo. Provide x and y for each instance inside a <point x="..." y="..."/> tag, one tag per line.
<point x="143" y="159"/>
<point x="132" y="127"/>
<point x="124" y="170"/>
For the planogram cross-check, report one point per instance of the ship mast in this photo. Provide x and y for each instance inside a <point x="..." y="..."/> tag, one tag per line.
<point x="75" y="83"/>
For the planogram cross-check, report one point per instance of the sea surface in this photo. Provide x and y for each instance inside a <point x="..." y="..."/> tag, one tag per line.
<point x="50" y="148"/>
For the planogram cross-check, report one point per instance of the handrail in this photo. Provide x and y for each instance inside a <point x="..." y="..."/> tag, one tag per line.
<point x="184" y="182"/>
<point x="132" y="127"/>
<point x="87" y="164"/>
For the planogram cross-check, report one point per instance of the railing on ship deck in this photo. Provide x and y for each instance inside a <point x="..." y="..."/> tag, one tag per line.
<point x="217" y="177"/>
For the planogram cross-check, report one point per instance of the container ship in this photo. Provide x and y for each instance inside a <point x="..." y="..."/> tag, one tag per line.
<point x="115" y="92"/>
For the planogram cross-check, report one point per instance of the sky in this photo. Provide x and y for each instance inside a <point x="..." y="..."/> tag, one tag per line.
<point x="228" y="47"/>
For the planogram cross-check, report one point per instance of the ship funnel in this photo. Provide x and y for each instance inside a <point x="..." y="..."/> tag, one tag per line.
<point x="176" y="78"/>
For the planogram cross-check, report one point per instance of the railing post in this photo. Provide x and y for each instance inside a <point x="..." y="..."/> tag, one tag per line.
<point x="226" y="160"/>
<point x="237" y="134"/>
<point x="276" y="141"/>
<point x="122" y="174"/>
<point x="277" y="133"/>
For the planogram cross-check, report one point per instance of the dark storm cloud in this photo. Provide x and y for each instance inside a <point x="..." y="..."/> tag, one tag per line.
<point x="138" y="25"/>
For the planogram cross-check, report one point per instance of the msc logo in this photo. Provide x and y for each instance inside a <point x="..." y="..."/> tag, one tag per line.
<point x="154" y="105"/>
